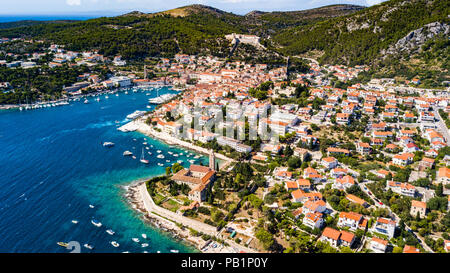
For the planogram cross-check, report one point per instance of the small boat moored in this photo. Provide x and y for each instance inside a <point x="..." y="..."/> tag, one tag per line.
<point x="143" y="160"/>
<point x="96" y="223"/>
<point x="88" y="246"/>
<point x="63" y="244"/>
<point x="127" y="153"/>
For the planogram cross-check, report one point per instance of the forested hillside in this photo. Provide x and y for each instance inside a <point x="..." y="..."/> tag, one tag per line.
<point x="192" y="30"/>
<point x="359" y="38"/>
<point x="396" y="36"/>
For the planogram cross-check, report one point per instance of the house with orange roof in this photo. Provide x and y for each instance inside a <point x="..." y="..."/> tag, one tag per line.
<point x="363" y="148"/>
<point x="378" y="245"/>
<point x="426" y="163"/>
<point x="343" y="183"/>
<point x="403" y="159"/>
<point x="338" y="151"/>
<point x="291" y="185"/>
<point x="304" y="184"/>
<point x="410" y="249"/>
<point x="438" y="145"/>
<point x="431" y="153"/>
<point x="331" y="236"/>
<point x="283" y="175"/>
<point x="379" y="126"/>
<point x="382" y="134"/>
<point x="338" y="172"/>
<point x="347" y="238"/>
<point x="376" y="141"/>
<point x="343" y="118"/>
<point x="357" y="200"/>
<point x="382" y="173"/>
<point x="302" y="153"/>
<point x="384" y="226"/>
<point x="313" y="220"/>
<point x="259" y="157"/>
<point x="352" y="220"/>
<point x="409" y="117"/>
<point x="302" y="196"/>
<point x="312" y="174"/>
<point x="388" y="115"/>
<point x="309" y="171"/>
<point x="418" y="207"/>
<point x="402" y="188"/>
<point x="391" y="147"/>
<point x="314" y="206"/>
<point x="329" y="162"/>
<point x="443" y="176"/>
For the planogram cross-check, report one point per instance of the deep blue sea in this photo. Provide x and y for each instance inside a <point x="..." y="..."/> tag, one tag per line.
<point x="53" y="166"/>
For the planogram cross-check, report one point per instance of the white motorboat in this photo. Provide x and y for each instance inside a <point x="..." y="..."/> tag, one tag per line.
<point x="135" y="240"/>
<point x="75" y="221"/>
<point x="96" y="223"/>
<point x="144" y="235"/>
<point x="110" y="232"/>
<point x="88" y="246"/>
<point x="115" y="244"/>
<point x="108" y="144"/>
<point x="127" y="153"/>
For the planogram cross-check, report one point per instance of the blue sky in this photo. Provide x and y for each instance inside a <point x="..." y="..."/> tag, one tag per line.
<point x="114" y="7"/>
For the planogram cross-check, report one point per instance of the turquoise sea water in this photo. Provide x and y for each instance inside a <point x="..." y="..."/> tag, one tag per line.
<point x="53" y="166"/>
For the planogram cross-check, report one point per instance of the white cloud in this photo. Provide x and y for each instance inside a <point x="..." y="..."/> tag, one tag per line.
<point x="373" y="2"/>
<point x="73" y="2"/>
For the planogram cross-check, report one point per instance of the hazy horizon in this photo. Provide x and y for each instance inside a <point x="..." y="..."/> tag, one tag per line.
<point x="95" y="8"/>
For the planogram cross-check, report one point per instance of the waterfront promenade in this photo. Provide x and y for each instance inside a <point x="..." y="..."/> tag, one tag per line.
<point x="142" y="127"/>
<point x="151" y="207"/>
<point x="169" y="218"/>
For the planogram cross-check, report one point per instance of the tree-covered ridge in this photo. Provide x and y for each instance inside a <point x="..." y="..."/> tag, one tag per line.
<point x="136" y="37"/>
<point x="24" y="23"/>
<point x="359" y="38"/>
<point x="192" y="30"/>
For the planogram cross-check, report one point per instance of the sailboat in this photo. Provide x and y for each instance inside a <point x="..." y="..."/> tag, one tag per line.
<point x="143" y="160"/>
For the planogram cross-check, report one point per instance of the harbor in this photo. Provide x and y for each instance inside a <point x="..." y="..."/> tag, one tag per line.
<point x="94" y="97"/>
<point x="64" y="188"/>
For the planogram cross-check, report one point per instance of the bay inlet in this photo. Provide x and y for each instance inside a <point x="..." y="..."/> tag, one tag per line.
<point x="56" y="177"/>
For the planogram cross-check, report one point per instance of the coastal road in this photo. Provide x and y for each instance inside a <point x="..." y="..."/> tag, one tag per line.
<point x="396" y="218"/>
<point x="442" y="127"/>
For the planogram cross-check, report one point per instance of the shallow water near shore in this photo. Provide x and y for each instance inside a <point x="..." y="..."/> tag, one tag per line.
<point x="53" y="166"/>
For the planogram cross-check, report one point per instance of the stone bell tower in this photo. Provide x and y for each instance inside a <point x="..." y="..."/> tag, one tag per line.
<point x="212" y="160"/>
